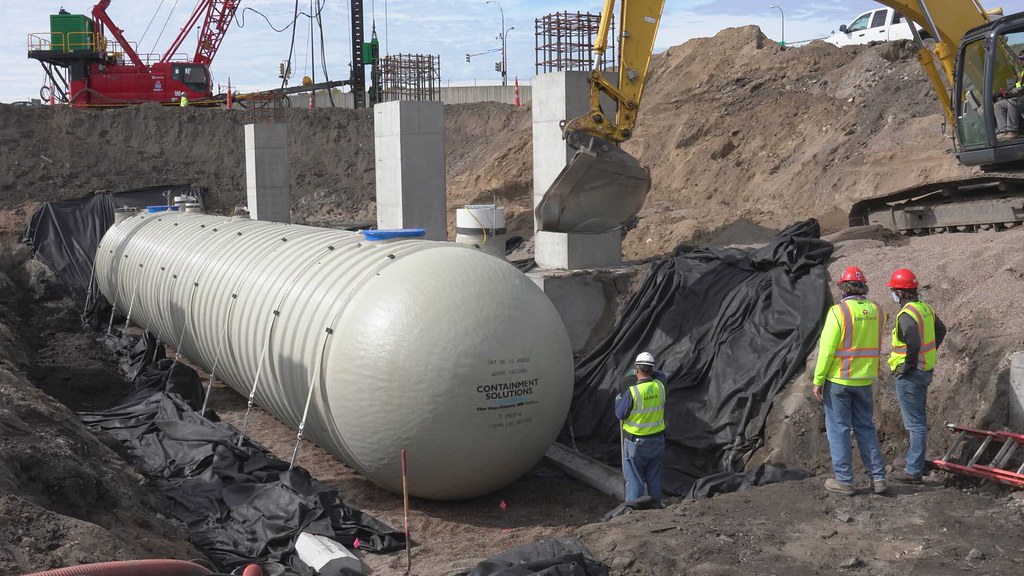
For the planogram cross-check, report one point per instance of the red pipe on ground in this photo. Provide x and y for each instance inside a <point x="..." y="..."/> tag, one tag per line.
<point x="130" y="568"/>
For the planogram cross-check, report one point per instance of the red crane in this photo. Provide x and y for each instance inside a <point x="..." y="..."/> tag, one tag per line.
<point x="88" y="69"/>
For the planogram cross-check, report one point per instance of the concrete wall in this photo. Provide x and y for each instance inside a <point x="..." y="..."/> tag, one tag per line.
<point x="452" y="95"/>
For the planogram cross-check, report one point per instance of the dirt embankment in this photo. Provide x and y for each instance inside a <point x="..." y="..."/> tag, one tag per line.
<point x="740" y="135"/>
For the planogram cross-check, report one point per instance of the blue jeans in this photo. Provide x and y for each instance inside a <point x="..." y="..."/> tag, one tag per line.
<point x="846" y="408"/>
<point x="912" y="392"/>
<point x="641" y="465"/>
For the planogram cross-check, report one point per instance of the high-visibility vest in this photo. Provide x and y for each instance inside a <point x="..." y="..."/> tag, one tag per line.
<point x="183" y="101"/>
<point x="860" y="349"/>
<point x="648" y="415"/>
<point x="924" y="317"/>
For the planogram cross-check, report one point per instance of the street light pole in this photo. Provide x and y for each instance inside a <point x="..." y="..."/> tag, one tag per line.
<point x="783" y="43"/>
<point x="504" y="56"/>
<point x="504" y="60"/>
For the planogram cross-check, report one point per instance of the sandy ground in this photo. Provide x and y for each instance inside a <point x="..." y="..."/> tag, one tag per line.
<point x="742" y="137"/>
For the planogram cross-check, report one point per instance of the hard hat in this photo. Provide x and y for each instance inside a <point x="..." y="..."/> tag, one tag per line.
<point x="645" y="359"/>
<point x="903" y="279"/>
<point x="852" y="274"/>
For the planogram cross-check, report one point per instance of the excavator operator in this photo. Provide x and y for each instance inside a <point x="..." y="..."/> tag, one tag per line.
<point x="1008" y="105"/>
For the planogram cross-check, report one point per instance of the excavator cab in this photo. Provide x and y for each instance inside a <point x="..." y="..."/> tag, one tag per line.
<point x="989" y="69"/>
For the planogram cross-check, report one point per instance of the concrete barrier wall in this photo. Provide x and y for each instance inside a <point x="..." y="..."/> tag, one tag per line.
<point x="473" y="94"/>
<point x="451" y="95"/>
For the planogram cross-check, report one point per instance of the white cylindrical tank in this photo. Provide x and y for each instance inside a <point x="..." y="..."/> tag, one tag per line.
<point x="482" y="225"/>
<point x="433" y="347"/>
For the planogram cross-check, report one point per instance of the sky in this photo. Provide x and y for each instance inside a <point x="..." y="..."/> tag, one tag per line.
<point x="252" y="50"/>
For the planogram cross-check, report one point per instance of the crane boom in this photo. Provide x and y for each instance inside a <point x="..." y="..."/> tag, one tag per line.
<point x="217" y="16"/>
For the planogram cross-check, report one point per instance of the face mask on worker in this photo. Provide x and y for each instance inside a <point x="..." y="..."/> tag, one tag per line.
<point x="895" y="298"/>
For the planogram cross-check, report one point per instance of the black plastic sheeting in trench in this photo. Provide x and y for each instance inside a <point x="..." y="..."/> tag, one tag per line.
<point x="729" y="327"/>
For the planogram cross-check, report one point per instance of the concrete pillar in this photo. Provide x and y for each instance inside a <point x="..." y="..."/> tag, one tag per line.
<point x="559" y="96"/>
<point x="1016" y="423"/>
<point x="408" y="141"/>
<point x="266" y="172"/>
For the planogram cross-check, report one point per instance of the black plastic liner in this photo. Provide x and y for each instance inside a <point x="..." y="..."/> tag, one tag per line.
<point x="729" y="327"/>
<point x="240" y="504"/>
<point x="549" y="557"/>
<point x="64" y="234"/>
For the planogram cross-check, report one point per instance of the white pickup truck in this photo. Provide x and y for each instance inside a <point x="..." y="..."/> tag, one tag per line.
<point x="878" y="25"/>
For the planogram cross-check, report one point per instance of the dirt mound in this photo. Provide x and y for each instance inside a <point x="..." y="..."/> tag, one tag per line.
<point x="66" y="497"/>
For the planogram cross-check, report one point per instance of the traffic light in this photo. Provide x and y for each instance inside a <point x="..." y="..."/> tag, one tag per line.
<point x="467" y="57"/>
<point x="497" y="66"/>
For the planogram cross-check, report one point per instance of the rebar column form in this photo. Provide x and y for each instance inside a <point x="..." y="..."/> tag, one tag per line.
<point x="410" y="77"/>
<point x="564" y="41"/>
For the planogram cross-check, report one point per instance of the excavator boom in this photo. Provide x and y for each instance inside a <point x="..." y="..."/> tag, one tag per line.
<point x="603" y="187"/>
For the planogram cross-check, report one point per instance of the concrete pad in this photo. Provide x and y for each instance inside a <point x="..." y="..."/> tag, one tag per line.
<point x="586" y="301"/>
<point x="267" y="182"/>
<point x="409" y="144"/>
<point x="571" y="251"/>
<point x="1016" y="419"/>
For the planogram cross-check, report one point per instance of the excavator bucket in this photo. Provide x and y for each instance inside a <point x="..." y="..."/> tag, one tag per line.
<point x="602" y="188"/>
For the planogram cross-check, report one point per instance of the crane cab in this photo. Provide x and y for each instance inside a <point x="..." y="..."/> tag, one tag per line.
<point x="987" y="66"/>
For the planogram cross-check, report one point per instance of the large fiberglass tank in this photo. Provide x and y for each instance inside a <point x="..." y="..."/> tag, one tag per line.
<point x="435" y="348"/>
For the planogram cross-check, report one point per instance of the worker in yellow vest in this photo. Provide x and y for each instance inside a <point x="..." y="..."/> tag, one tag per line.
<point x="642" y="412"/>
<point x="915" y="340"/>
<point x="183" y="101"/>
<point x="849" y="352"/>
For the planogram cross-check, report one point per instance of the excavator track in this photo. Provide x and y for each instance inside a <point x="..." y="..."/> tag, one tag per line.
<point x="983" y="203"/>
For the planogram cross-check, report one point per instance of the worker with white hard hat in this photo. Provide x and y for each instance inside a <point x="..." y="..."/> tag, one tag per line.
<point x="642" y="412"/>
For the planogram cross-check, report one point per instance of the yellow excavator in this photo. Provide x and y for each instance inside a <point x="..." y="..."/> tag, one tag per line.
<point x="974" y="58"/>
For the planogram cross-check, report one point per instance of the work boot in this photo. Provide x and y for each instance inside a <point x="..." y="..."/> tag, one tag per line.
<point x="900" y="475"/>
<point x="879" y="486"/>
<point x="837" y="487"/>
<point x="1004" y="136"/>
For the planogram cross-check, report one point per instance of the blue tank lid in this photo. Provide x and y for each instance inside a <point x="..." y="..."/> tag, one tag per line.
<point x="394" y="233"/>
<point x="152" y="209"/>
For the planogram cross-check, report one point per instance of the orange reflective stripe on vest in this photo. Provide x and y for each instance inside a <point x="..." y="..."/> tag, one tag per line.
<point x="925" y="320"/>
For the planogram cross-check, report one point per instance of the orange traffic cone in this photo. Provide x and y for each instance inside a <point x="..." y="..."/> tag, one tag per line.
<point x="52" y="99"/>
<point x="515" y="93"/>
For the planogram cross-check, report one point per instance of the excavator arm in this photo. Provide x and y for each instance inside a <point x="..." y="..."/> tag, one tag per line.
<point x="603" y="187"/>
<point x="639" y="21"/>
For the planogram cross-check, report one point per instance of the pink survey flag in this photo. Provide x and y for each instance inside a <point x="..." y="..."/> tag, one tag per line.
<point x="355" y="543"/>
<point x="503" y="505"/>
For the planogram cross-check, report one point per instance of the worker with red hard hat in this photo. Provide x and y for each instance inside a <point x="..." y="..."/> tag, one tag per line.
<point x="849" y="353"/>
<point x="916" y="338"/>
